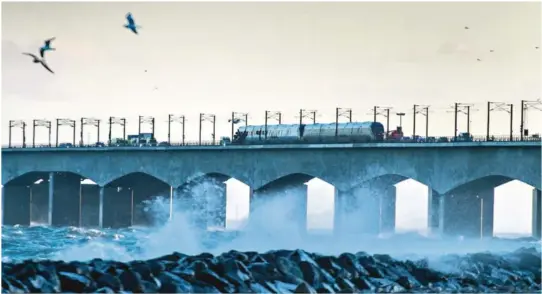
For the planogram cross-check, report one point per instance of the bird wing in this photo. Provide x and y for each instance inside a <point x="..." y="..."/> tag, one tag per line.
<point x="48" y="41"/>
<point x="133" y="29"/>
<point x="46" y="67"/>
<point x="30" y="54"/>
<point x="41" y="52"/>
<point x="130" y="19"/>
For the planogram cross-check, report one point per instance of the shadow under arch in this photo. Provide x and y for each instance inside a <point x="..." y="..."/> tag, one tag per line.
<point x="135" y="179"/>
<point x="291" y="179"/>
<point x="479" y="184"/>
<point x="27" y="179"/>
<point x="287" y="180"/>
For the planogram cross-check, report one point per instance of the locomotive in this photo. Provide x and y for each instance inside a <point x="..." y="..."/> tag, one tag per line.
<point x="310" y="133"/>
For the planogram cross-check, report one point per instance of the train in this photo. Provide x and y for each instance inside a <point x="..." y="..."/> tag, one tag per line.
<point x="310" y="133"/>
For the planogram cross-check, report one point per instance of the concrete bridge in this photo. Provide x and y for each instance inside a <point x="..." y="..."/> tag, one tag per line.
<point x="461" y="177"/>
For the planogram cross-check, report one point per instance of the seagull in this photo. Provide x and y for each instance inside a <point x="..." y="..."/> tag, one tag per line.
<point x="491" y="50"/>
<point x="37" y="60"/>
<point x="47" y="46"/>
<point x="536" y="47"/>
<point x="479" y="59"/>
<point x="131" y="23"/>
<point x="466" y="28"/>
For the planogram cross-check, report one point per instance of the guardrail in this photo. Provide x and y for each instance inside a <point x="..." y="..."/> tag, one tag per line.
<point x="329" y="140"/>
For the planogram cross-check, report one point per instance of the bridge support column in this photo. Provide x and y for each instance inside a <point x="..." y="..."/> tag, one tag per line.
<point x="469" y="213"/>
<point x="90" y="206"/>
<point x="290" y="198"/>
<point x="369" y="209"/>
<point x="16" y="205"/>
<point x="117" y="207"/>
<point x="203" y="202"/>
<point x="40" y="202"/>
<point x="343" y="215"/>
<point x="487" y="198"/>
<point x="388" y="199"/>
<point x="151" y="204"/>
<point x="66" y="202"/>
<point x="537" y="213"/>
<point x="435" y="211"/>
<point x="216" y="205"/>
<point x="101" y="207"/>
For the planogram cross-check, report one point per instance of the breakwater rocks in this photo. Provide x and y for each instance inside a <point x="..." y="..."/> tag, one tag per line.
<point x="280" y="271"/>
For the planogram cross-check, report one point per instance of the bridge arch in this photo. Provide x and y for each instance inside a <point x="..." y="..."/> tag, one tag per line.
<point x="297" y="177"/>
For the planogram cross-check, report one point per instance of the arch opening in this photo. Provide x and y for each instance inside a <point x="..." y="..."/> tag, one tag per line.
<point x="211" y="201"/>
<point x="385" y="204"/>
<point x="135" y="199"/>
<point x="51" y="198"/>
<point x="492" y="206"/>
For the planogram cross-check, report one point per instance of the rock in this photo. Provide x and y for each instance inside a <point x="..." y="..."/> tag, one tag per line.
<point x="131" y="281"/>
<point x="171" y="283"/>
<point x="71" y="282"/>
<point x="106" y="280"/>
<point x="277" y="272"/>
<point x="303" y="287"/>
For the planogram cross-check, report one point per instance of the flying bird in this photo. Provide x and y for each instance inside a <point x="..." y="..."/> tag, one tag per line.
<point x="466" y="28"/>
<point x="37" y="60"/>
<point x="131" y="23"/>
<point x="491" y="50"/>
<point x="479" y="59"/>
<point x="47" y="46"/>
<point x="536" y="47"/>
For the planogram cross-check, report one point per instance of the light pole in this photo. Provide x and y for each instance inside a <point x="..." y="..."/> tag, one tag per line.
<point x="400" y="115"/>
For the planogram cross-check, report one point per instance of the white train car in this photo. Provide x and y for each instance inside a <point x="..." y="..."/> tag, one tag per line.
<point x="310" y="133"/>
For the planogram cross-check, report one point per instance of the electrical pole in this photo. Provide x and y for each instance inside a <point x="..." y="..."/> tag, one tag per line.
<point x="271" y="115"/>
<point x="17" y="124"/>
<point x="237" y="117"/>
<point x="385" y="112"/>
<point x="304" y="113"/>
<point x="346" y="112"/>
<point x="92" y="122"/>
<point x="526" y="105"/>
<point x="210" y="118"/>
<point x="465" y="109"/>
<point x="500" y="106"/>
<point x="172" y="119"/>
<point x="40" y="123"/>
<point x="423" y="110"/>
<point x="116" y="121"/>
<point x="145" y="120"/>
<point x="65" y="122"/>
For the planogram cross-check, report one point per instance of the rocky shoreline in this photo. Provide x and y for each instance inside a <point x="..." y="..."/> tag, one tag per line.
<point x="279" y="272"/>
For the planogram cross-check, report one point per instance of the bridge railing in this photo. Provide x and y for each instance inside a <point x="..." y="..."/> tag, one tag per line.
<point x="328" y="140"/>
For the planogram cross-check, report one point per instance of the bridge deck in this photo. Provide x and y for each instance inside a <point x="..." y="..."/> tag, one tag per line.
<point x="282" y="146"/>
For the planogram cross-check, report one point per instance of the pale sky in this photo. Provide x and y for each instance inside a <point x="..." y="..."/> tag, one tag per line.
<point x="251" y="57"/>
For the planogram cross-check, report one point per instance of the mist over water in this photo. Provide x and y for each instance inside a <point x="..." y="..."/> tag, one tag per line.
<point x="269" y="228"/>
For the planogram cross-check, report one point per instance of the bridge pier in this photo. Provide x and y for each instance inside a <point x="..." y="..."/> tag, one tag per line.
<point x="90" y="205"/>
<point x="39" y="202"/>
<point x="117" y="207"/>
<point x="369" y="209"/>
<point x="203" y="202"/>
<point x="145" y="214"/>
<point x="65" y="192"/>
<point x="290" y="197"/>
<point x="468" y="213"/>
<point x="435" y="212"/>
<point x="16" y="205"/>
<point x="537" y="213"/>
